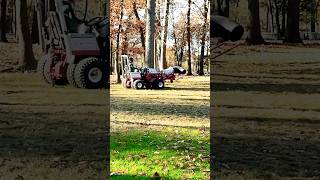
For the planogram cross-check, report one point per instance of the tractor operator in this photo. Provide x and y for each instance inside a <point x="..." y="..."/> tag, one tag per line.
<point x="131" y="66"/>
<point x="73" y="23"/>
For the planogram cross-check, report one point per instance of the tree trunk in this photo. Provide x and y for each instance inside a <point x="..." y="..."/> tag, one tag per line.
<point x="203" y="39"/>
<point x="141" y="30"/>
<point x="116" y="62"/>
<point x="293" y="20"/>
<point x="111" y="57"/>
<point x="181" y="56"/>
<point x="40" y="9"/>
<point x="277" y="16"/>
<point x="254" y="34"/>
<point x="189" y="39"/>
<point x="284" y="10"/>
<point x="268" y="14"/>
<point x="3" y="20"/>
<point x="164" y="33"/>
<point x="226" y="9"/>
<point x="27" y="60"/>
<point x="271" y="16"/>
<point x="150" y="32"/>
<point x="313" y="18"/>
<point x="223" y="7"/>
<point x="34" y="29"/>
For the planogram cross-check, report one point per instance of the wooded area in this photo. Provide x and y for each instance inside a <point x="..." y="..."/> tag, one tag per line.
<point x="290" y="21"/>
<point x="161" y="33"/>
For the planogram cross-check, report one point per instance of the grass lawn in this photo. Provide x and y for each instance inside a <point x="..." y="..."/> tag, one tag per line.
<point x="267" y="113"/>
<point x="161" y="131"/>
<point x="51" y="132"/>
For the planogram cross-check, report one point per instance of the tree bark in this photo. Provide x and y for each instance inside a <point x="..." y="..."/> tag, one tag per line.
<point x="141" y="30"/>
<point x="277" y="17"/>
<point x="203" y="39"/>
<point x="189" y="38"/>
<point x="283" y="11"/>
<point x="27" y="60"/>
<point x="34" y="29"/>
<point x="164" y="33"/>
<point x="150" y="32"/>
<point x="254" y="34"/>
<point x="226" y="9"/>
<point x="3" y="20"/>
<point x="223" y="7"/>
<point x="40" y="9"/>
<point x="116" y="62"/>
<point x="293" y="22"/>
<point x="313" y="17"/>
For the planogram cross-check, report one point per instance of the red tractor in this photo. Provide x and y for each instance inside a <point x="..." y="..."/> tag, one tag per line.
<point x="76" y="50"/>
<point x="149" y="78"/>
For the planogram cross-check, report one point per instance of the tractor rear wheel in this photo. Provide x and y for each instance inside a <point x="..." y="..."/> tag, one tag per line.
<point x="70" y="74"/>
<point x="43" y="68"/>
<point x="158" y="84"/>
<point x="91" y="73"/>
<point x="138" y="84"/>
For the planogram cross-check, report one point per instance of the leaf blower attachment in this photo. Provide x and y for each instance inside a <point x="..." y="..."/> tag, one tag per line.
<point x="225" y="28"/>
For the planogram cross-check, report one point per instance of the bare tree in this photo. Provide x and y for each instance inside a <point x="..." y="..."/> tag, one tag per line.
<point x="189" y="38"/>
<point x="293" y="20"/>
<point x="223" y="8"/>
<point x="203" y="39"/>
<point x="116" y="62"/>
<point x="254" y="34"/>
<point x="150" y="31"/>
<point x="141" y="30"/>
<point x="3" y="20"/>
<point x="27" y="60"/>
<point x="164" y="33"/>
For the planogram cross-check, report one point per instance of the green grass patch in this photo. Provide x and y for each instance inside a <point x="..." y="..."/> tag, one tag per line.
<point x="174" y="153"/>
<point x="164" y="131"/>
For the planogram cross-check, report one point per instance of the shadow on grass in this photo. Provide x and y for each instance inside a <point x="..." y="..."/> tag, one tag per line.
<point x="269" y="88"/>
<point x="59" y="140"/>
<point x="154" y="108"/>
<point x="266" y="156"/>
<point x="188" y="89"/>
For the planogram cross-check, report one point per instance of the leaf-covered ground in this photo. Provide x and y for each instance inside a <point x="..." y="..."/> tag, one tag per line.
<point x="161" y="131"/>
<point x="266" y="113"/>
<point x="51" y="132"/>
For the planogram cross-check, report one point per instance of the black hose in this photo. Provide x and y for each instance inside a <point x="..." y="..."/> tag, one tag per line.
<point x="85" y="12"/>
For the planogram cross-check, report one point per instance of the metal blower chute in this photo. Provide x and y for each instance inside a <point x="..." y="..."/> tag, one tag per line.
<point x="227" y="30"/>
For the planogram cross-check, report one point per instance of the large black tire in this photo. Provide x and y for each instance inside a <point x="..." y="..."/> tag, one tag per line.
<point x="158" y="84"/>
<point x="43" y="68"/>
<point x="91" y="73"/>
<point x="70" y="74"/>
<point x="138" y="84"/>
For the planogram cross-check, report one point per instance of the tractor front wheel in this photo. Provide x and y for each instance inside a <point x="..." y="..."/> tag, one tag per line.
<point x="91" y="73"/>
<point x="138" y="84"/>
<point x="70" y="74"/>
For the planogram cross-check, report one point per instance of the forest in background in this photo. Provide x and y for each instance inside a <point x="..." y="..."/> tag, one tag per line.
<point x="181" y="34"/>
<point x="290" y="21"/>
